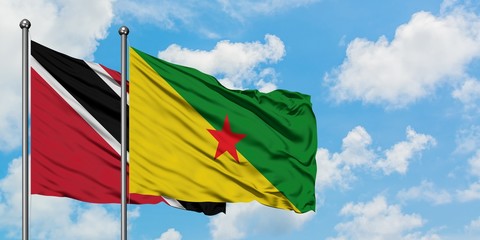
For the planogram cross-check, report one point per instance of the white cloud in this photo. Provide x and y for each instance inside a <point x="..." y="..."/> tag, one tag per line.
<point x="473" y="226"/>
<point x="237" y="65"/>
<point x="448" y="5"/>
<point x="168" y="13"/>
<point x="201" y="16"/>
<point x="474" y="163"/>
<point x="468" y="94"/>
<point x="53" y="217"/>
<point x="355" y="148"/>
<point x="468" y="139"/>
<point x="337" y="168"/>
<point x="398" y="157"/>
<point x="91" y="222"/>
<point x="170" y="234"/>
<point x="164" y="13"/>
<point x="245" y="219"/>
<point x="11" y="196"/>
<point x="242" y="9"/>
<point x="411" y="66"/>
<point x="420" y="236"/>
<point x="331" y="171"/>
<point x="377" y="220"/>
<point x="134" y="213"/>
<point x="425" y="191"/>
<point x="265" y="87"/>
<point x="471" y="231"/>
<point x="470" y="194"/>
<point x="73" y="27"/>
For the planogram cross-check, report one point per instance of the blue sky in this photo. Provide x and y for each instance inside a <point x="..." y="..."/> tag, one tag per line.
<point x="395" y="88"/>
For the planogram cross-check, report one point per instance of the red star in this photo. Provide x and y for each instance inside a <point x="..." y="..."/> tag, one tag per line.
<point x="226" y="140"/>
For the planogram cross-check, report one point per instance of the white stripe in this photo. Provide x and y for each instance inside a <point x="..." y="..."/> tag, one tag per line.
<point x="173" y="202"/>
<point x="105" y="76"/>
<point x="100" y="71"/>
<point x="57" y="87"/>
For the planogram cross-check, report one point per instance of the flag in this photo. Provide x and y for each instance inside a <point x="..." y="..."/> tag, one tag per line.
<point x="75" y="132"/>
<point x="194" y="140"/>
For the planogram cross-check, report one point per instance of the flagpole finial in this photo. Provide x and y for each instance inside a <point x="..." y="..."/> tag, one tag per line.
<point x="123" y="30"/>
<point x="25" y="24"/>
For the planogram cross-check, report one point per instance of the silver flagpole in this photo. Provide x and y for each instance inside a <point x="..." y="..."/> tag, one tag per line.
<point x="25" y="26"/>
<point x="123" y="31"/>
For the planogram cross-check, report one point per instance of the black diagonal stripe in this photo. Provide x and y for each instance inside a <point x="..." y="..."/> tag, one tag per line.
<point x="84" y="85"/>
<point x="98" y="99"/>
<point x="208" y="208"/>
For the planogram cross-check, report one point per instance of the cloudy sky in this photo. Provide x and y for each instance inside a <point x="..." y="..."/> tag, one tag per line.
<point x="395" y="87"/>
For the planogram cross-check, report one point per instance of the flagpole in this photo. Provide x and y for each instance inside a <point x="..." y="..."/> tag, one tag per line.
<point x="123" y="31"/>
<point x="25" y="26"/>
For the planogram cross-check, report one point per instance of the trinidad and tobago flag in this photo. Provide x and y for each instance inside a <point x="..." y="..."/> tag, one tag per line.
<point x="75" y="132"/>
